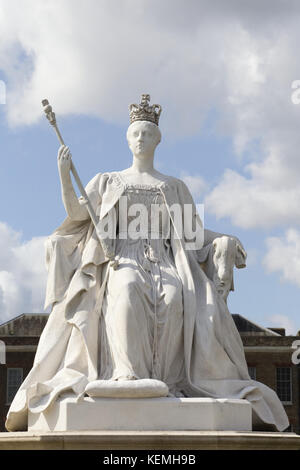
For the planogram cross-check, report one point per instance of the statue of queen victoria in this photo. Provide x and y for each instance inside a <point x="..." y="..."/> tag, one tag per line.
<point x="137" y="299"/>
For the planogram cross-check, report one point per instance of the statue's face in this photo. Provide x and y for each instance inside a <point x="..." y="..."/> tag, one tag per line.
<point x="143" y="137"/>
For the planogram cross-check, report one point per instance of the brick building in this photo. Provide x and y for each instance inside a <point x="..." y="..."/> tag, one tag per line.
<point x="268" y="354"/>
<point x="21" y="336"/>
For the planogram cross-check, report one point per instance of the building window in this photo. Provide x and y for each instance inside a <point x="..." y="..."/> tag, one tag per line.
<point x="252" y="372"/>
<point x="284" y="384"/>
<point x="14" y="380"/>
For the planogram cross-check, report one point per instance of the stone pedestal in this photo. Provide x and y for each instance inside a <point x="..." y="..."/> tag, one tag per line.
<point x="149" y="440"/>
<point x="144" y="414"/>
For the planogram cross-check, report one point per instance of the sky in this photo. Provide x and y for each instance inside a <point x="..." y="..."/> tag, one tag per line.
<point x="223" y="73"/>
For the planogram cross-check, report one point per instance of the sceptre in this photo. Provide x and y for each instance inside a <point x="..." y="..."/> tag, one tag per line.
<point x="50" y="115"/>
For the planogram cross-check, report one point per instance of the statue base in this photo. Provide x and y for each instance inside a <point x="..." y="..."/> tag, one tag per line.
<point x="148" y="440"/>
<point x="143" y="414"/>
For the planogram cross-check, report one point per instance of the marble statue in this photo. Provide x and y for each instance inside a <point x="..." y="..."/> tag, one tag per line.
<point x="139" y="316"/>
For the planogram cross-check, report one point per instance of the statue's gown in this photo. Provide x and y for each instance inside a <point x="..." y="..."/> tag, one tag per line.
<point x="141" y="326"/>
<point x="157" y="315"/>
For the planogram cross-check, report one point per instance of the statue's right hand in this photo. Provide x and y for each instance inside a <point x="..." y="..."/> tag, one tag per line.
<point x="64" y="159"/>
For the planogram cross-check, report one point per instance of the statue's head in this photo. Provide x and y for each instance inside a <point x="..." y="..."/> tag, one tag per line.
<point x="143" y="137"/>
<point x="143" y="134"/>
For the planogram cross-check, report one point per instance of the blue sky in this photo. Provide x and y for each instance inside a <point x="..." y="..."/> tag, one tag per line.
<point x="229" y="128"/>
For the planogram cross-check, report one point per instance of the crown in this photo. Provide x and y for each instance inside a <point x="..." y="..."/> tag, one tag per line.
<point x="144" y="112"/>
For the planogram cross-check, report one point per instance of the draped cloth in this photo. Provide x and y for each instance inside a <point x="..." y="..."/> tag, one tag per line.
<point x="148" y="318"/>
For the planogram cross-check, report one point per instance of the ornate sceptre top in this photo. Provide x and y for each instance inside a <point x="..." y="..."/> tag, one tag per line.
<point x="50" y="115"/>
<point x="145" y="112"/>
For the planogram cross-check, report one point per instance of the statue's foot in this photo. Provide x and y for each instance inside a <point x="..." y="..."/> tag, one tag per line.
<point x="136" y="388"/>
<point x="175" y="393"/>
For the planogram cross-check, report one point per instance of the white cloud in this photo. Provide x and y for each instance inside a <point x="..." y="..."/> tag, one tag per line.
<point x="238" y="58"/>
<point x="22" y="274"/>
<point x="282" y="321"/>
<point x="94" y="57"/>
<point x="283" y="256"/>
<point x="269" y="198"/>
<point x="265" y="193"/>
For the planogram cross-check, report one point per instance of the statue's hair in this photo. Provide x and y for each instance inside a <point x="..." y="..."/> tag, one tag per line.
<point x="154" y="127"/>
